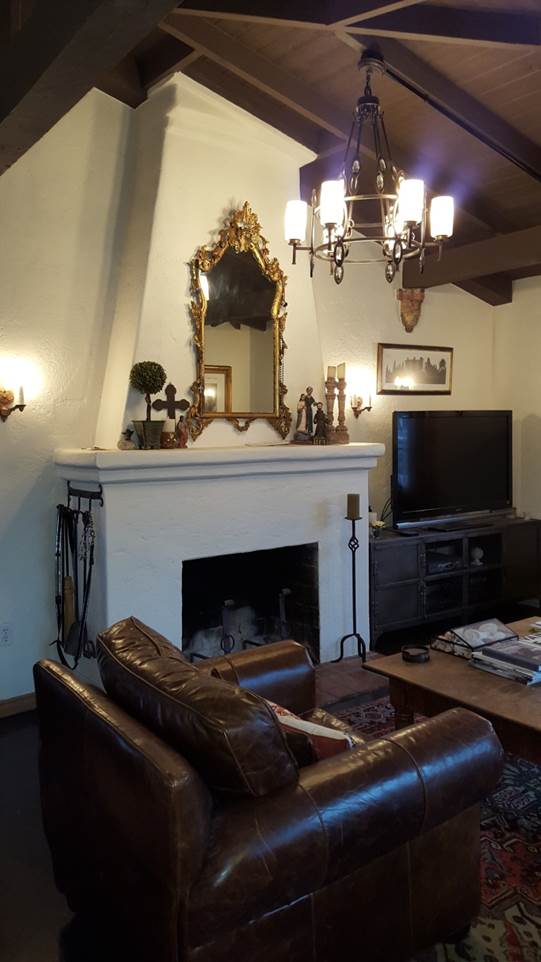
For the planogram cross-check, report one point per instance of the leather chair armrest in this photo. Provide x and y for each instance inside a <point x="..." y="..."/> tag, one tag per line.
<point x="459" y="758"/>
<point x="375" y="798"/>
<point x="119" y="805"/>
<point x="282" y="672"/>
<point x="343" y="813"/>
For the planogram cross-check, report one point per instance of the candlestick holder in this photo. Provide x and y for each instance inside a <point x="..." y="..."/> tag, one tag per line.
<point x="6" y="403"/>
<point x="353" y="545"/>
<point x="330" y="400"/>
<point x="5" y="412"/>
<point x="341" y="433"/>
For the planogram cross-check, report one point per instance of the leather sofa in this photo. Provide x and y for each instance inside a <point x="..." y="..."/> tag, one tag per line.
<point x="229" y="849"/>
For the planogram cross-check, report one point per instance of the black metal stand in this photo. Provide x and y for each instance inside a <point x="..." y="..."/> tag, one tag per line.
<point x="353" y="545"/>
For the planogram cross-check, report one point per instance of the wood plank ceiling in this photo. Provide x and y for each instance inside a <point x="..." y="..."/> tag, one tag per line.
<point x="460" y="96"/>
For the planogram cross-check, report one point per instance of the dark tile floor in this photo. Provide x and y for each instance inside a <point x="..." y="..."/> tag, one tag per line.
<point x="35" y="922"/>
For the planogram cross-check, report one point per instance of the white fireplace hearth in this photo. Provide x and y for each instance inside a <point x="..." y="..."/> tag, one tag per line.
<point x="162" y="508"/>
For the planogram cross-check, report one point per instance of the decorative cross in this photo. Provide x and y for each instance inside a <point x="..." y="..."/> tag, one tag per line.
<point x="171" y="405"/>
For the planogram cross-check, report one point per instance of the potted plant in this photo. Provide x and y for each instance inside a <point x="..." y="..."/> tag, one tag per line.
<point x="148" y="377"/>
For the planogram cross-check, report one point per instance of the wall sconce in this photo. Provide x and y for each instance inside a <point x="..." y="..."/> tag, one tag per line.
<point x="358" y="405"/>
<point x="6" y="403"/>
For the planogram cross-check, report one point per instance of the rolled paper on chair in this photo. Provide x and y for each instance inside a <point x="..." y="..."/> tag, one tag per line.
<point x="353" y="507"/>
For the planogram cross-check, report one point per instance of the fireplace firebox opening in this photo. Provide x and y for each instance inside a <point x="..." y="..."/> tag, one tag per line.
<point x="236" y="601"/>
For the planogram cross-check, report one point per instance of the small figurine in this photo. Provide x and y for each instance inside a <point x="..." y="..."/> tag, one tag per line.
<point x="320" y="421"/>
<point x="126" y="443"/>
<point x="182" y="432"/>
<point x="301" y="435"/>
<point x="477" y="555"/>
<point x="309" y="402"/>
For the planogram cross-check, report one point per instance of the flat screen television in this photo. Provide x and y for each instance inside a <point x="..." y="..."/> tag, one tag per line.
<point x="450" y="463"/>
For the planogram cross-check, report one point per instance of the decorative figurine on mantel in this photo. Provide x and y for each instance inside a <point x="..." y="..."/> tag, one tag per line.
<point x="305" y="418"/>
<point x="148" y="377"/>
<point x="126" y="443"/>
<point x="320" y="421"/>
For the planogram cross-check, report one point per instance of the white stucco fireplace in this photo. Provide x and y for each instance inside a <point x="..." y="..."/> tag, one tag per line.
<point x="162" y="508"/>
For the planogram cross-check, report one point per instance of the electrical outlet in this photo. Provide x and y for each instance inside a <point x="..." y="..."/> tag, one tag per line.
<point x="6" y="635"/>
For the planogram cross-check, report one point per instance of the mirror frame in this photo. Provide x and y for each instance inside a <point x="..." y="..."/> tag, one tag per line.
<point x="242" y="233"/>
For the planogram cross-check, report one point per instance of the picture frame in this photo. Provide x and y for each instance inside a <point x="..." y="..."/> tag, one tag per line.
<point x="218" y="388"/>
<point x="414" y="369"/>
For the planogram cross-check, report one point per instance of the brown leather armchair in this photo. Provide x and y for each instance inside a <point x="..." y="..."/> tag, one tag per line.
<point x="370" y="855"/>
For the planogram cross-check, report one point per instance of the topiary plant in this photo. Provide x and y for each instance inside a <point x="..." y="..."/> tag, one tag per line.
<point x="147" y="377"/>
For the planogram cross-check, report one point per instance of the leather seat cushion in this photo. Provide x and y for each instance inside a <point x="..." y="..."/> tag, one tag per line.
<point x="229" y="735"/>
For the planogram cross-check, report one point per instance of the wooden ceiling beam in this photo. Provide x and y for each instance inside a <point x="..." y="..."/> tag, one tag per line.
<point x="61" y="51"/>
<point x="457" y="105"/>
<point x="258" y="71"/>
<point x="445" y="24"/>
<point x="495" y="289"/>
<point x="124" y="83"/>
<point x="259" y="104"/>
<point x="344" y="12"/>
<point x="506" y="252"/>
<point x="310" y="14"/>
<point x="165" y="58"/>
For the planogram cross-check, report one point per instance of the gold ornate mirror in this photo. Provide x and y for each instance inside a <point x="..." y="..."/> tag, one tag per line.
<point x="238" y="315"/>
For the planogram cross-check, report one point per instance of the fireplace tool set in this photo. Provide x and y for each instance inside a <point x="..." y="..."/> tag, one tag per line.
<point x="74" y="563"/>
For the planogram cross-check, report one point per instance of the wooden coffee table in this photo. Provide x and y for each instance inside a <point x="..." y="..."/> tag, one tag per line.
<point x="447" y="682"/>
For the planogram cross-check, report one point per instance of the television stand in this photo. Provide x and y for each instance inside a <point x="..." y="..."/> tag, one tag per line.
<point x="452" y="575"/>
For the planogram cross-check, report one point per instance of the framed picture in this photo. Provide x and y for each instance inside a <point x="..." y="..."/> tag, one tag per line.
<point x="412" y="369"/>
<point x="218" y="388"/>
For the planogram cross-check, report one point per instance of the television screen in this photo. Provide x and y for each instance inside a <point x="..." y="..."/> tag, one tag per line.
<point x="450" y="462"/>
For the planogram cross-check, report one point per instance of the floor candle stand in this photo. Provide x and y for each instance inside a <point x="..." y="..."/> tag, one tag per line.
<point x="353" y="545"/>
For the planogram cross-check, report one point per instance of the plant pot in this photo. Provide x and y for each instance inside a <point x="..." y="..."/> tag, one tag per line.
<point x="149" y="433"/>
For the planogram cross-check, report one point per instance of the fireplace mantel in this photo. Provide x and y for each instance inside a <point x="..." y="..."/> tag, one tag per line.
<point x="162" y="508"/>
<point x="188" y="464"/>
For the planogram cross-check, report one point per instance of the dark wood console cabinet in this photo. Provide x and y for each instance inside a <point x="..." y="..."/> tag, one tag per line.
<point x="439" y="575"/>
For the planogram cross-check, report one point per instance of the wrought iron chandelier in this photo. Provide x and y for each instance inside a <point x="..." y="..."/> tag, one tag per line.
<point x="407" y="226"/>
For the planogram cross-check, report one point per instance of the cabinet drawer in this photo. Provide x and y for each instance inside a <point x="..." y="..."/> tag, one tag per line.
<point x="396" y="604"/>
<point x="398" y="562"/>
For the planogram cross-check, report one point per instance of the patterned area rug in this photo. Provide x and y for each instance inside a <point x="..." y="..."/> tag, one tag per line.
<point x="508" y="928"/>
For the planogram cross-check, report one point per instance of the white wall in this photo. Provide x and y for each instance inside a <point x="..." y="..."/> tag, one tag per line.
<point x="362" y="311"/>
<point x="518" y="385"/>
<point x="60" y="211"/>
<point x="203" y="158"/>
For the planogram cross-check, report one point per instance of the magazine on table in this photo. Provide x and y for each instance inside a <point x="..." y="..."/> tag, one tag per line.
<point x="463" y="641"/>
<point x="483" y="661"/>
<point x="523" y="654"/>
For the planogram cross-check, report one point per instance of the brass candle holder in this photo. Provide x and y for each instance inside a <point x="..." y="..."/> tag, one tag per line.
<point x="6" y="403"/>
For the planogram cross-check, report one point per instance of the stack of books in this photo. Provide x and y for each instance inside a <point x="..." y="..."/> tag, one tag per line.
<point x="494" y="647"/>
<point x="517" y="659"/>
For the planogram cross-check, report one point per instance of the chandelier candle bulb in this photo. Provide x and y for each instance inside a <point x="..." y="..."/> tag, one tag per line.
<point x="341" y="372"/>
<point x="21" y="395"/>
<point x="411" y="199"/>
<point x="331" y="202"/>
<point x="353" y="507"/>
<point x="295" y="221"/>
<point x="442" y="214"/>
<point x="331" y="373"/>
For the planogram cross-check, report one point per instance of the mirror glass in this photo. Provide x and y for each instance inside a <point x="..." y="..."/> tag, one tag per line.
<point x="238" y="336"/>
